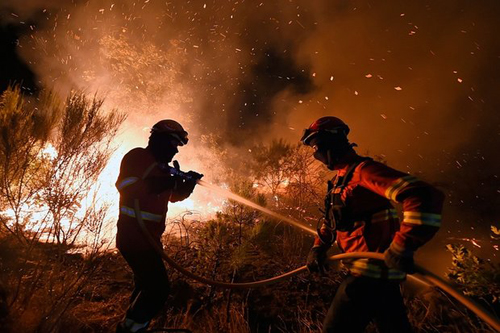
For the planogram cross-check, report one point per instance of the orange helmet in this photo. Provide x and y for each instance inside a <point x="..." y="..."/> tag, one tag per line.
<point x="327" y="124"/>
<point x="171" y="128"/>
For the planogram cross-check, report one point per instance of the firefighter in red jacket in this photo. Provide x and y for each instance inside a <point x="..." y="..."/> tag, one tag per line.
<point x="146" y="184"/>
<point x="360" y="217"/>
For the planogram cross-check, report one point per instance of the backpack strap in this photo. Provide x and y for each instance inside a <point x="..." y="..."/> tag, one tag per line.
<point x="334" y="205"/>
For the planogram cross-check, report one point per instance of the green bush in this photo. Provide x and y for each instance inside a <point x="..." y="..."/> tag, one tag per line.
<point x="476" y="277"/>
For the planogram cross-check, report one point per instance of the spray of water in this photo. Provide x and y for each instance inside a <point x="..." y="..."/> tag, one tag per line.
<point x="235" y="197"/>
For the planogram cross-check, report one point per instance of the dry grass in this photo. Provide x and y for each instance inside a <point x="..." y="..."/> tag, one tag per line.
<point x="297" y="305"/>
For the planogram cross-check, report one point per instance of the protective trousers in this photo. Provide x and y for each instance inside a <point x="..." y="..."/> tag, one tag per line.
<point x="362" y="299"/>
<point x="151" y="284"/>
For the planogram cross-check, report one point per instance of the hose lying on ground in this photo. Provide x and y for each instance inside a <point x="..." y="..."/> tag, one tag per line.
<point x="422" y="275"/>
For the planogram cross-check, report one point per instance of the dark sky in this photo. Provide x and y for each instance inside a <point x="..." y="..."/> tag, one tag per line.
<point x="417" y="81"/>
<point x="13" y="69"/>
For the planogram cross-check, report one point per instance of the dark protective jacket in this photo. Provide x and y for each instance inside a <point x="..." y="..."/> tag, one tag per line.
<point x="374" y="223"/>
<point x="142" y="178"/>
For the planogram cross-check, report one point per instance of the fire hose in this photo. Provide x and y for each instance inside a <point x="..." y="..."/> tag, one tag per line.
<point x="422" y="275"/>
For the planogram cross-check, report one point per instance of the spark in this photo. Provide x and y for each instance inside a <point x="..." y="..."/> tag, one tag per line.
<point x="473" y="241"/>
<point x="398" y="88"/>
<point x="300" y="24"/>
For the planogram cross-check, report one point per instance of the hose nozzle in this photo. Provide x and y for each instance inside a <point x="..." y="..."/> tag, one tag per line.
<point x="176" y="171"/>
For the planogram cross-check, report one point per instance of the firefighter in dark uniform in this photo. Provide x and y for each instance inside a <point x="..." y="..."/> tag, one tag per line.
<point x="146" y="179"/>
<point x="360" y="217"/>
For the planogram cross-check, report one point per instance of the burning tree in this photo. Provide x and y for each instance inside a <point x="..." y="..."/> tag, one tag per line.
<point x="50" y="158"/>
<point x="25" y="131"/>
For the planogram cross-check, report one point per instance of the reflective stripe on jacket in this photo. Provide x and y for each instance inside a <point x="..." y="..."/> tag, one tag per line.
<point x="367" y="198"/>
<point x="142" y="178"/>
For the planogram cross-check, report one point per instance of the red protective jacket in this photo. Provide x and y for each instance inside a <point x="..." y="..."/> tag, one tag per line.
<point x="367" y="198"/>
<point x="142" y="178"/>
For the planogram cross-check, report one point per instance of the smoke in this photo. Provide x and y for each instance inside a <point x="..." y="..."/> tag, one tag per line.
<point x="215" y="66"/>
<point x="415" y="81"/>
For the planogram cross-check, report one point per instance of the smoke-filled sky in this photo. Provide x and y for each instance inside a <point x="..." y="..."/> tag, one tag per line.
<point x="417" y="81"/>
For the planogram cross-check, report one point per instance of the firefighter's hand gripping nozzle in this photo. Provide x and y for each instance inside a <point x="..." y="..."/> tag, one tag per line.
<point x="184" y="182"/>
<point x="186" y="176"/>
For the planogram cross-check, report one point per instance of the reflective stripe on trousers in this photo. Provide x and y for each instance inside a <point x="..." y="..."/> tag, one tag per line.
<point x="145" y="215"/>
<point x="365" y="268"/>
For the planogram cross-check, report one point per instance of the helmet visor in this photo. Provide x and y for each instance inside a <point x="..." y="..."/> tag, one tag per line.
<point x="180" y="137"/>
<point x="308" y="136"/>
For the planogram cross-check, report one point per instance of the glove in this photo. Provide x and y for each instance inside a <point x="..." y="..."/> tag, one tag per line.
<point x="326" y="235"/>
<point x="399" y="258"/>
<point x="194" y="175"/>
<point x="186" y="175"/>
<point x="316" y="260"/>
<point x="185" y="186"/>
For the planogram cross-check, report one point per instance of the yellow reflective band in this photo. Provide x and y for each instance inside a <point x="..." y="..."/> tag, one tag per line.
<point x="392" y="191"/>
<point x="396" y="274"/>
<point x="362" y="267"/>
<point x="362" y="263"/>
<point x="145" y="215"/>
<point x="422" y="218"/>
<point x="361" y="271"/>
<point x="126" y="182"/>
<point x="385" y="215"/>
<point x="148" y="170"/>
<point x="365" y="265"/>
